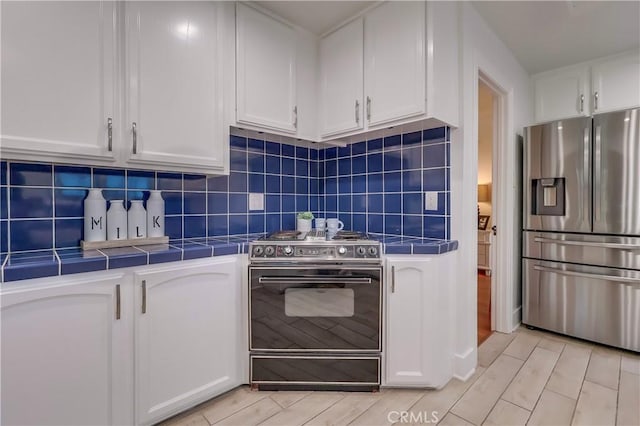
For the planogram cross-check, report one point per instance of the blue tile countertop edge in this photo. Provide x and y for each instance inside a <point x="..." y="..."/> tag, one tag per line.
<point x="48" y="263"/>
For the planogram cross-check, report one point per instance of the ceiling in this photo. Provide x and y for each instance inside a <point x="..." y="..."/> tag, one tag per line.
<point x="316" y="16"/>
<point x="543" y="35"/>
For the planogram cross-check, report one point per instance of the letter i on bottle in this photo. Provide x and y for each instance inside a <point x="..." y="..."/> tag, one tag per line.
<point x="116" y="221"/>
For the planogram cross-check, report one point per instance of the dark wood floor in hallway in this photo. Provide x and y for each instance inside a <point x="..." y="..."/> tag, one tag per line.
<point x="484" y="307"/>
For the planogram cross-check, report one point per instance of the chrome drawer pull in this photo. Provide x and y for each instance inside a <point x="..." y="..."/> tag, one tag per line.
<point x="587" y="275"/>
<point x="587" y="244"/>
<point x="314" y="280"/>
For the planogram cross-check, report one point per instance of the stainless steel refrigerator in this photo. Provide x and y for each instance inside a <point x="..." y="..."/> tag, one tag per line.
<point x="581" y="228"/>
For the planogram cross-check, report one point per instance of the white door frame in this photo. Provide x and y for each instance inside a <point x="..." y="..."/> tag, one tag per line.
<point x="501" y="267"/>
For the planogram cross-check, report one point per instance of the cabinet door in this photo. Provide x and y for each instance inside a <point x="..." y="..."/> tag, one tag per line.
<point x="417" y="350"/>
<point x="58" y="68"/>
<point x="62" y="354"/>
<point x="562" y="94"/>
<point x="341" y="79"/>
<point x="174" y="109"/>
<point x="394" y="61"/>
<point x="266" y="71"/>
<point x="615" y="83"/>
<point x="187" y="322"/>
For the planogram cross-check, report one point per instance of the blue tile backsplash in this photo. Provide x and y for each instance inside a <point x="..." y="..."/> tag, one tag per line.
<point x="372" y="186"/>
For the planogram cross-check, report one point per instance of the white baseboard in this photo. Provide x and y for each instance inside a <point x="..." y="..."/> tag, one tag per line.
<point x="516" y="318"/>
<point x="464" y="365"/>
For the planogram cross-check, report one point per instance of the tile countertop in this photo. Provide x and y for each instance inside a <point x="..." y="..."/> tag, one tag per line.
<point x="47" y="263"/>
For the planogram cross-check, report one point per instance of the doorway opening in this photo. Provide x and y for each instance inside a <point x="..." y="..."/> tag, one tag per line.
<point x="488" y="133"/>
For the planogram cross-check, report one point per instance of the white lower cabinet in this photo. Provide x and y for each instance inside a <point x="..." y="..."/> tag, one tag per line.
<point x="80" y="350"/>
<point x="187" y="325"/>
<point x="65" y="351"/>
<point x="418" y="349"/>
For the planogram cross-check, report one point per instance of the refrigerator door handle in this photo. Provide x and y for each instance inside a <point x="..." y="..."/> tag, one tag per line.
<point x="586" y="186"/>
<point x="596" y="173"/>
<point x="586" y="275"/>
<point x="587" y="243"/>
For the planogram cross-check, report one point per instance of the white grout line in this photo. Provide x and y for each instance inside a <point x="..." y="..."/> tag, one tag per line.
<point x="105" y="255"/>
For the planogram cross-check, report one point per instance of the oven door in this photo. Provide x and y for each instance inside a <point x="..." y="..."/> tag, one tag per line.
<point x="316" y="308"/>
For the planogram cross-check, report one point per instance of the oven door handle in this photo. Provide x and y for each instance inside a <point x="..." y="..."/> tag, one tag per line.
<point x="314" y="280"/>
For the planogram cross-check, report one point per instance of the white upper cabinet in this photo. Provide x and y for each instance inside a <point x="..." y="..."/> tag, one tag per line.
<point x="341" y="80"/>
<point x="608" y="84"/>
<point x="65" y="97"/>
<point x="58" y="80"/>
<point x="266" y="71"/>
<point x="174" y="86"/>
<point x="615" y="83"/>
<point x="396" y="64"/>
<point x="66" y="351"/>
<point x="187" y="336"/>
<point x="394" y="77"/>
<point x="562" y="94"/>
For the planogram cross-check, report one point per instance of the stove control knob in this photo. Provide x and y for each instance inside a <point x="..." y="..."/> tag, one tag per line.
<point x="361" y="251"/>
<point x="288" y="251"/>
<point x="342" y="250"/>
<point x="269" y="250"/>
<point x="373" y="251"/>
<point x="258" y="250"/>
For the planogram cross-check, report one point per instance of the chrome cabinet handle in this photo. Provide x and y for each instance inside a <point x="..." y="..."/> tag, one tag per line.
<point x="295" y="116"/>
<point x="357" y="112"/>
<point x="144" y="296"/>
<point x="587" y="244"/>
<point x="109" y="134"/>
<point x="135" y="137"/>
<point x="117" y="301"/>
<point x="595" y="101"/>
<point x="368" y="108"/>
<point x="393" y="279"/>
<point x="581" y="103"/>
<point x="587" y="275"/>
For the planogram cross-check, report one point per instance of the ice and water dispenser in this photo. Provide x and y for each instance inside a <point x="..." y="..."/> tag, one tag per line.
<point x="548" y="197"/>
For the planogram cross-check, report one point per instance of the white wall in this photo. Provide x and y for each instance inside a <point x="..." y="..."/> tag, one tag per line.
<point x="482" y="50"/>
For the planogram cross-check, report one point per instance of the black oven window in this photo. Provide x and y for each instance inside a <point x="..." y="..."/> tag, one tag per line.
<point x="319" y="302"/>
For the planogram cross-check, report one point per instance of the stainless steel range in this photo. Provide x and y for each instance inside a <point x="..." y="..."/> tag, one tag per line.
<point x="315" y="311"/>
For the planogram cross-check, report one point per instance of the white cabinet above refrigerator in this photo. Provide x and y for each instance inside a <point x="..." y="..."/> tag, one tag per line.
<point x="604" y="85"/>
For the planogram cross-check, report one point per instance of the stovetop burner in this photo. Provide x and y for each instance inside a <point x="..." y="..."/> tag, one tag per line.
<point x="290" y="235"/>
<point x="284" y="236"/>
<point x="350" y="235"/>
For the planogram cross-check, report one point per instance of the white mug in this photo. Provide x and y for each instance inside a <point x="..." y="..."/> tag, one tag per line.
<point x="321" y="223"/>
<point x="334" y="225"/>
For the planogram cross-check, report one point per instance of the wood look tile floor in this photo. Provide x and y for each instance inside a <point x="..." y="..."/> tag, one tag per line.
<point x="527" y="377"/>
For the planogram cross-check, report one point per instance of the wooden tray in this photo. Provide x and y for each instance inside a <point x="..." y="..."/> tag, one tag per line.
<point x="92" y="245"/>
